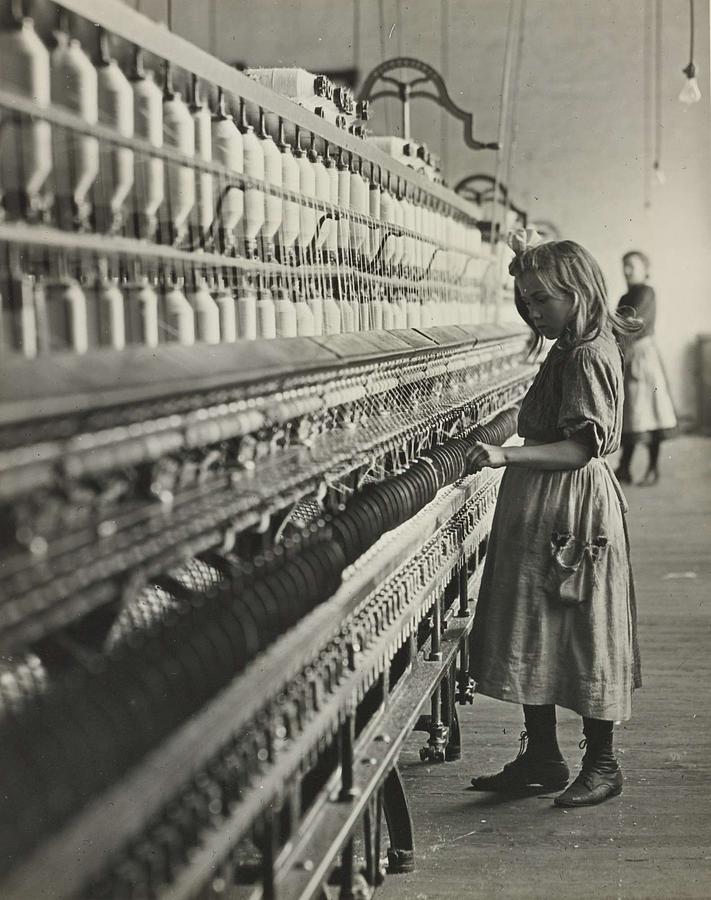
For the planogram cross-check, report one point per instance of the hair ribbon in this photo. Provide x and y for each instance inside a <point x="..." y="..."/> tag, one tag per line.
<point x="523" y="239"/>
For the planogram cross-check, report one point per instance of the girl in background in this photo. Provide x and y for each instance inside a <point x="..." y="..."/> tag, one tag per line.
<point x="556" y="622"/>
<point x="648" y="410"/>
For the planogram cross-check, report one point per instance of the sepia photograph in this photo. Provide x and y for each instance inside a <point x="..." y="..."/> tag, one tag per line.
<point x="355" y="449"/>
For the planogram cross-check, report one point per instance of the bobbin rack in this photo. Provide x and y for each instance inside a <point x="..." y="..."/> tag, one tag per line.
<point x="245" y="353"/>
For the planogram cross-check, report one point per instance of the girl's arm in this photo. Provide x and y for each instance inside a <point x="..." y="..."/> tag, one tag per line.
<point x="559" y="456"/>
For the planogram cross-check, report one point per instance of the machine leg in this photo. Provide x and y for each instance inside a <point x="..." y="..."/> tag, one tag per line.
<point x="435" y="747"/>
<point x="453" y="750"/>
<point x="372" y="838"/>
<point x="346" y="743"/>
<point x="401" y="852"/>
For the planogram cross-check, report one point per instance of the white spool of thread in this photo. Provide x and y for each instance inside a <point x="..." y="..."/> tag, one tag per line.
<point x="307" y="213"/>
<point x="254" y="206"/>
<point x="322" y="192"/>
<point x="401" y="311"/>
<point x="178" y="132"/>
<point x="26" y="145"/>
<point x="388" y="315"/>
<point x="76" y="156"/>
<point x="365" y="319"/>
<point x="374" y="208"/>
<point x="355" y="309"/>
<point x="290" y="211"/>
<point x="247" y="312"/>
<point x="431" y="217"/>
<point x="105" y="306"/>
<point x="207" y="313"/>
<point x="178" y="320"/>
<point x="203" y="211"/>
<point x="475" y="239"/>
<point x="399" y="242"/>
<point x="333" y="181"/>
<point x="228" y="314"/>
<point x="427" y="319"/>
<point x="316" y="305"/>
<point x="149" y="174"/>
<point x="462" y="242"/>
<point x="285" y="313"/>
<point x="346" y="317"/>
<point x="476" y="313"/>
<point x="413" y="313"/>
<point x="439" y="239"/>
<point x="228" y="149"/>
<point x="417" y="243"/>
<point x="290" y="82"/>
<point x="360" y="203"/>
<point x="448" y="236"/>
<point x="408" y="221"/>
<point x="305" y="325"/>
<point x="331" y="316"/>
<point x="423" y="250"/>
<point x="453" y="268"/>
<point x="440" y="312"/>
<point x="266" y="314"/>
<point x="388" y="215"/>
<point x="19" y="311"/>
<point x="344" y="203"/>
<point x="273" y="174"/>
<point x="141" y="313"/>
<point x="65" y="308"/>
<point x="115" y="163"/>
<point x="376" y="312"/>
<point x="438" y="257"/>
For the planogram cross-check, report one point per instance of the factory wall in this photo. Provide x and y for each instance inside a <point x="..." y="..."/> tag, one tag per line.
<point x="582" y="146"/>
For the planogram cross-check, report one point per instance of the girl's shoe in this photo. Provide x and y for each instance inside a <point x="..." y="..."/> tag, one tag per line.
<point x="527" y="770"/>
<point x="600" y="776"/>
<point x="651" y="478"/>
<point x="591" y="788"/>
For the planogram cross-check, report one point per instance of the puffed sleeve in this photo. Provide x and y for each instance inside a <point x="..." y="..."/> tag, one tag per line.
<point x="642" y="302"/>
<point x="589" y="398"/>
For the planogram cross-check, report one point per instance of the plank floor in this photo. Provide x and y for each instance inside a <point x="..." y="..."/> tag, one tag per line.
<point x="654" y="841"/>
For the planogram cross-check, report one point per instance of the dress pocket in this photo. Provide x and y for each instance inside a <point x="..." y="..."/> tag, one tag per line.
<point x="572" y="574"/>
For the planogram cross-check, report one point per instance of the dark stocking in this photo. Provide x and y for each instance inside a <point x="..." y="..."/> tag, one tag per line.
<point x="623" y="470"/>
<point x="541" y="731"/>
<point x="600" y="776"/>
<point x="599" y="756"/>
<point x="539" y="761"/>
<point x="652" y="474"/>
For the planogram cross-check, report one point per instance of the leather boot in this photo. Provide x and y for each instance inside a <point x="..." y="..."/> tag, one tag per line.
<point x="539" y="761"/>
<point x="600" y="776"/>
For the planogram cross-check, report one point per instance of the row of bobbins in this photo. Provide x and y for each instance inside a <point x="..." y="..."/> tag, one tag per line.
<point x="71" y="178"/>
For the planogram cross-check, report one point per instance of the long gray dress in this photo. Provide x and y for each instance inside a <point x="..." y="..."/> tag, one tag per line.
<point x="556" y="620"/>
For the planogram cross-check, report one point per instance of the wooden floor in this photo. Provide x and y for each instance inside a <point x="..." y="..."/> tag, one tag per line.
<point x="655" y="840"/>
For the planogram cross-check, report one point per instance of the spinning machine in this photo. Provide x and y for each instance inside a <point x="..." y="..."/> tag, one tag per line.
<point x="244" y="355"/>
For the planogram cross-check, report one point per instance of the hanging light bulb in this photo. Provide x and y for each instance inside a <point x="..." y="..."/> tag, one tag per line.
<point x="690" y="93"/>
<point x="659" y="175"/>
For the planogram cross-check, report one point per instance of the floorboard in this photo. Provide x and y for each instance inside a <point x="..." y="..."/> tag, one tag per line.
<point x="654" y="841"/>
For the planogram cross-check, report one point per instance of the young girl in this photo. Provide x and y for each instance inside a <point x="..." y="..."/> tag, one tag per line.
<point x="556" y="623"/>
<point x="649" y="415"/>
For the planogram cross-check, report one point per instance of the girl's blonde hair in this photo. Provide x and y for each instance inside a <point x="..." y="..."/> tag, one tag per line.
<point x="566" y="269"/>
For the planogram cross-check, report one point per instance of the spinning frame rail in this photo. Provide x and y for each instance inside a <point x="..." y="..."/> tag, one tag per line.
<point x="143" y="462"/>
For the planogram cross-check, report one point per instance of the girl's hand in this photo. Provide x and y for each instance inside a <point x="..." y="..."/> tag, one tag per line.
<point x="483" y="455"/>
